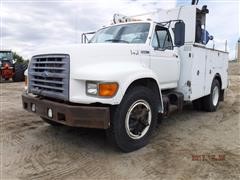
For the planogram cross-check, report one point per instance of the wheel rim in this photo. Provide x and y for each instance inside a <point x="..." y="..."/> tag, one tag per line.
<point x="215" y="95"/>
<point x="138" y="119"/>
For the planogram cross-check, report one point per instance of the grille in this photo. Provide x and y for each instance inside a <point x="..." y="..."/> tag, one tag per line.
<point x="49" y="76"/>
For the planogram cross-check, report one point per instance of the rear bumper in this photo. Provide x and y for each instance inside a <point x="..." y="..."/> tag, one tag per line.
<point x="71" y="115"/>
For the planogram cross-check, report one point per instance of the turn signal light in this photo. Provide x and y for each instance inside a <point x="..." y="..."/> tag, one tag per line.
<point x="108" y="89"/>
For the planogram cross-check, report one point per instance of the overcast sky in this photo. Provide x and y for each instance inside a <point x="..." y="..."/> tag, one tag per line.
<point x="28" y="25"/>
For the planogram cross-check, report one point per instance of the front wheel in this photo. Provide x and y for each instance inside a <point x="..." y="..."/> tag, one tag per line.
<point x="134" y="120"/>
<point x="211" y="102"/>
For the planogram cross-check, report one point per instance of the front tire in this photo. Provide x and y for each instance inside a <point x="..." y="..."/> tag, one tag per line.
<point x="134" y="120"/>
<point x="211" y="102"/>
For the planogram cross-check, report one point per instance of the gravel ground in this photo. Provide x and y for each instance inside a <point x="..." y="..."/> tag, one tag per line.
<point x="187" y="145"/>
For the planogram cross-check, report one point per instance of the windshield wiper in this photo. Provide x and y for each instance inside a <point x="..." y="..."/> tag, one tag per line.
<point x="116" y="40"/>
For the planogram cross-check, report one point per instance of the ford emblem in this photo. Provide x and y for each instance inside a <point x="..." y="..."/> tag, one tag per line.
<point x="45" y="74"/>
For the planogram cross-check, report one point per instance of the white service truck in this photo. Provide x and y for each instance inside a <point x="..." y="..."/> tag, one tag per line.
<point x="128" y="74"/>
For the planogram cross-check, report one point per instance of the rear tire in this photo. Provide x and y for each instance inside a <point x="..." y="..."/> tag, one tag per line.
<point x="134" y="119"/>
<point x="19" y="72"/>
<point x="52" y="123"/>
<point x="211" y="102"/>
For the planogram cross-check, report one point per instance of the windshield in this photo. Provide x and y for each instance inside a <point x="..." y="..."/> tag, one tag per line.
<point x="124" y="33"/>
<point x="6" y="55"/>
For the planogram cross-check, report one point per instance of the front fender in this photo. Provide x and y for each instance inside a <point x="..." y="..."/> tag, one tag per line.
<point x="123" y="73"/>
<point x="142" y="74"/>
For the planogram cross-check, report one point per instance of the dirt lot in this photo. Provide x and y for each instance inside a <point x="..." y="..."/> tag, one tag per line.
<point x="190" y="145"/>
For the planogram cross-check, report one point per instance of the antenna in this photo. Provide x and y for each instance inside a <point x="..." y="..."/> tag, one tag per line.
<point x="195" y="2"/>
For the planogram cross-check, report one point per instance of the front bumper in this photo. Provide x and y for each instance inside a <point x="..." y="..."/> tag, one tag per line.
<point x="70" y="115"/>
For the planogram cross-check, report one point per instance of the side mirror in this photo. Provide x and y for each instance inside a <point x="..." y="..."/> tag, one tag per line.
<point x="179" y="34"/>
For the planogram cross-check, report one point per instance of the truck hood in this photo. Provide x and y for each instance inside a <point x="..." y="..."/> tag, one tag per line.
<point x="86" y="59"/>
<point x="92" y="50"/>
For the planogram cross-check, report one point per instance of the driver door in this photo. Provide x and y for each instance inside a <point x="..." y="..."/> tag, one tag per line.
<point x="164" y="61"/>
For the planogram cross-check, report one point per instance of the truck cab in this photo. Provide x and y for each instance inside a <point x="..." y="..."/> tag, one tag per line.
<point x="150" y="40"/>
<point x="127" y="75"/>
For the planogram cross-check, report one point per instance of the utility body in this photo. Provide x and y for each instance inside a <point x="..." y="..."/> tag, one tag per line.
<point x="128" y="74"/>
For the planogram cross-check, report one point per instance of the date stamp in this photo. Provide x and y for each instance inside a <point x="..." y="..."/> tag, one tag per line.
<point x="207" y="157"/>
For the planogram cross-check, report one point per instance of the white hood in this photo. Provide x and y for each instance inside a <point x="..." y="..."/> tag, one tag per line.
<point x="98" y="58"/>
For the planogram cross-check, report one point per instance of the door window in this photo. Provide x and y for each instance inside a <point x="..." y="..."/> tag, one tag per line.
<point x="162" y="39"/>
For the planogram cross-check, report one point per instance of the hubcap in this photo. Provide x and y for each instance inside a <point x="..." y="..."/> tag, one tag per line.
<point x="215" y="95"/>
<point x="138" y="119"/>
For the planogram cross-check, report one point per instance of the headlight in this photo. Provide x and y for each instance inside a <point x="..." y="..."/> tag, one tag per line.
<point x="102" y="89"/>
<point x="92" y="88"/>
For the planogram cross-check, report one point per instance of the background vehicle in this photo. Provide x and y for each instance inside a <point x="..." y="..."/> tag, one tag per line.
<point x="128" y="74"/>
<point x="10" y="69"/>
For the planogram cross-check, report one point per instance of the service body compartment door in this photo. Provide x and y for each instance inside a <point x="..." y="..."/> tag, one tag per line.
<point x="217" y="63"/>
<point x="198" y="72"/>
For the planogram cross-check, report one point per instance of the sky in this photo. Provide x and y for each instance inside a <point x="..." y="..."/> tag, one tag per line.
<point x="27" y="25"/>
